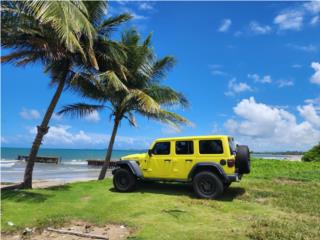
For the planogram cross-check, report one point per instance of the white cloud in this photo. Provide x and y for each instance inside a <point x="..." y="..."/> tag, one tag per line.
<point x="29" y="114"/>
<point x="296" y="66"/>
<point x="316" y="76"/>
<point x="313" y="7"/>
<point x="309" y="113"/>
<point x="285" y="83"/>
<point x="305" y="48"/>
<point x="62" y="135"/>
<point x="257" y="28"/>
<point x="216" y="69"/>
<point x="314" y="101"/>
<point x="314" y="20"/>
<point x="225" y="25"/>
<point x="257" y="78"/>
<point x="93" y="117"/>
<point x="289" y="20"/>
<point x="265" y="127"/>
<point x="57" y="117"/>
<point x="145" y="6"/>
<point x="235" y="87"/>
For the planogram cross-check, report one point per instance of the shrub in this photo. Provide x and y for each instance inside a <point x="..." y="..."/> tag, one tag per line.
<point x="313" y="155"/>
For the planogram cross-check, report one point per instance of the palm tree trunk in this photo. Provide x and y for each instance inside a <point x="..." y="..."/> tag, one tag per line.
<point x="110" y="147"/>
<point x="41" y="131"/>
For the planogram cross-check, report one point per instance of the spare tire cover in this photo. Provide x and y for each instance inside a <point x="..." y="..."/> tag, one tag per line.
<point x="243" y="159"/>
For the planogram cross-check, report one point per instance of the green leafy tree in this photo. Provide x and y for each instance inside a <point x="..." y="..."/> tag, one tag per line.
<point x="142" y="92"/>
<point x="61" y="35"/>
<point x="313" y="155"/>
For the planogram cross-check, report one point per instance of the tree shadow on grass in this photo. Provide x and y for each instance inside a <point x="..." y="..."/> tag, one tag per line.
<point x="30" y="195"/>
<point x="182" y="189"/>
<point x="23" y="196"/>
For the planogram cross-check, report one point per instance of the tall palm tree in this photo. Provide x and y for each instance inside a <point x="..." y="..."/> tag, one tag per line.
<point x="61" y="35"/>
<point x="142" y="94"/>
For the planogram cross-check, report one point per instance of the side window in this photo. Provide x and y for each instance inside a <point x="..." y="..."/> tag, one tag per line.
<point x="184" y="147"/>
<point x="210" y="146"/>
<point x="161" y="148"/>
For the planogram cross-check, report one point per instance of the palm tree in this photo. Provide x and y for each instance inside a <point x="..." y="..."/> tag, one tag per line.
<point x="142" y="93"/>
<point x="61" y="35"/>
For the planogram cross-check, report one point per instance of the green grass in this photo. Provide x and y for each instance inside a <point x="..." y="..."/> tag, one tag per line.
<point x="278" y="200"/>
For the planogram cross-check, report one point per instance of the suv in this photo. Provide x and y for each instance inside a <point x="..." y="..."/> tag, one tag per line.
<point x="210" y="163"/>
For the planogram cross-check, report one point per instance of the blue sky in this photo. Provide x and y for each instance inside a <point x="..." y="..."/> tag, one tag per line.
<point x="249" y="69"/>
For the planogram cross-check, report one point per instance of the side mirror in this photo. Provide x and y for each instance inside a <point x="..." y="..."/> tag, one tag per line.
<point x="150" y="152"/>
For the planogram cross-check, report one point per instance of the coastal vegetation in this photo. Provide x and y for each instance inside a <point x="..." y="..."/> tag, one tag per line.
<point x="72" y="40"/>
<point x="313" y="155"/>
<point x="141" y="93"/>
<point x="278" y="200"/>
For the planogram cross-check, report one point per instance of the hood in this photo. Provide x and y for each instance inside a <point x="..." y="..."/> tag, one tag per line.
<point x="138" y="156"/>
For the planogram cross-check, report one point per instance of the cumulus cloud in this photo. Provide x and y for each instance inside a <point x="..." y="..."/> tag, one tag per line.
<point x="289" y="20"/>
<point x="225" y="25"/>
<point x="293" y="18"/>
<point x="309" y="113"/>
<point x="63" y="135"/>
<point x="29" y="114"/>
<point x="235" y="87"/>
<point x="271" y="128"/>
<point x="316" y="76"/>
<point x="263" y="79"/>
<point x="257" y="28"/>
<point x="93" y="117"/>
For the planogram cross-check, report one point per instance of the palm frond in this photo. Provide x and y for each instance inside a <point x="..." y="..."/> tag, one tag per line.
<point x="79" y="109"/>
<point x="166" y="96"/>
<point x="111" y="23"/>
<point x="136" y="98"/>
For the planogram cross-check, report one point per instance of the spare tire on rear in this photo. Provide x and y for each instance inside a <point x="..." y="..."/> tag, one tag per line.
<point x="243" y="159"/>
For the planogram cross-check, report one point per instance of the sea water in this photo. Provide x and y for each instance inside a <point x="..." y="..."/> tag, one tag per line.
<point x="73" y="163"/>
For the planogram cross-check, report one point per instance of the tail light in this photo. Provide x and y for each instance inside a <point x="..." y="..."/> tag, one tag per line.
<point x="230" y="163"/>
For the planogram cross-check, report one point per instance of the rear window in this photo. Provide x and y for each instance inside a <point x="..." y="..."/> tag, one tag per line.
<point x="184" y="147"/>
<point x="161" y="148"/>
<point x="232" y="146"/>
<point x="210" y="147"/>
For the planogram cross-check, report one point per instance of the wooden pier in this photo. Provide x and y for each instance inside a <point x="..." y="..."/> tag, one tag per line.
<point x="100" y="163"/>
<point x="42" y="159"/>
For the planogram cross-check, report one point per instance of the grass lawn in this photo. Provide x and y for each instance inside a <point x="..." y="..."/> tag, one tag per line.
<point x="278" y="200"/>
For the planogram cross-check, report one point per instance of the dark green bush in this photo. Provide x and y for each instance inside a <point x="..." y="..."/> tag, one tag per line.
<point x="313" y="155"/>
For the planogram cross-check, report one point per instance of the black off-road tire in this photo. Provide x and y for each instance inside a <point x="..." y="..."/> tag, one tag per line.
<point x="124" y="180"/>
<point x="243" y="159"/>
<point x="207" y="185"/>
<point x="226" y="185"/>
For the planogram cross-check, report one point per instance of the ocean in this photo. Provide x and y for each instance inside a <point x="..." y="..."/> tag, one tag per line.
<point x="73" y="163"/>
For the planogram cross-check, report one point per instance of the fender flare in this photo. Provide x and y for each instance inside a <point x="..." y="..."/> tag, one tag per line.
<point x="216" y="166"/>
<point x="132" y="165"/>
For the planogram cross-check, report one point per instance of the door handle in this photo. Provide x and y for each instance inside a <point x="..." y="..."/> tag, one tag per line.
<point x="167" y="160"/>
<point x="189" y="160"/>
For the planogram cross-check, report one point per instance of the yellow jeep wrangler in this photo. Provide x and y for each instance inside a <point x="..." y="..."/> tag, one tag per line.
<point x="210" y="163"/>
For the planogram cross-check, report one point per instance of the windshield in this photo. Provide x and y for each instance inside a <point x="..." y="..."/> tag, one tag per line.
<point x="232" y="146"/>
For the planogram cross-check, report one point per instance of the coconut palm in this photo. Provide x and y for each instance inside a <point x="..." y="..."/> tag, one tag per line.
<point x="143" y="94"/>
<point x="59" y="34"/>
